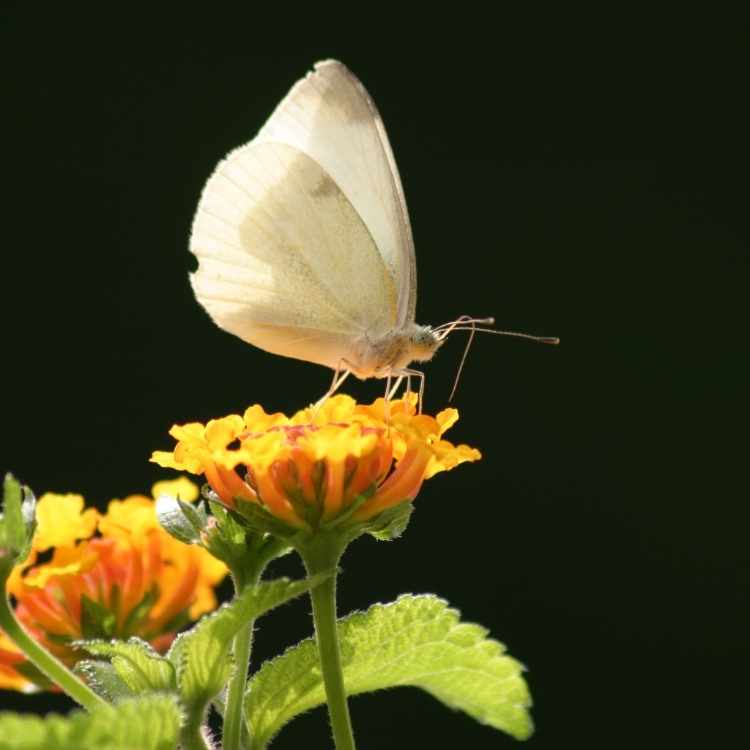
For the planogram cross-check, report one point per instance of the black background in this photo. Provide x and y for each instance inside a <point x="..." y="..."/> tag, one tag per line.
<point x="580" y="177"/>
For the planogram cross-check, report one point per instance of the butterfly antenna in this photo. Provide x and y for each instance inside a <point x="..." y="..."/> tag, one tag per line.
<point x="443" y="330"/>
<point x="467" y="323"/>
<point x="553" y="340"/>
<point x="463" y="360"/>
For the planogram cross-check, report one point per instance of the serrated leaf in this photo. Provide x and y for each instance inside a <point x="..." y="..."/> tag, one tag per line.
<point x="147" y="723"/>
<point x="103" y="679"/>
<point x="391" y="523"/>
<point x="417" y="641"/>
<point x="136" y="663"/>
<point x="174" y="520"/>
<point x="201" y="656"/>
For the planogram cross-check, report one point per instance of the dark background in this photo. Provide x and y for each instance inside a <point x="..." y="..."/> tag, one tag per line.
<point x="580" y="177"/>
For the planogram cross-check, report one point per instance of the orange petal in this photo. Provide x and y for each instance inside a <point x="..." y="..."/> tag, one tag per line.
<point x="402" y="485"/>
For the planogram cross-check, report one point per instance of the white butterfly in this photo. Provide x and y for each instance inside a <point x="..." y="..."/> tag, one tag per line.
<point x="304" y="242"/>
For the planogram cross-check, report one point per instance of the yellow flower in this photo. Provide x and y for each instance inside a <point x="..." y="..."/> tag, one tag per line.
<point x="314" y="466"/>
<point x="131" y="579"/>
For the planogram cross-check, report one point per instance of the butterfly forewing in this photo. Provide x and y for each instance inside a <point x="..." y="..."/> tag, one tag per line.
<point x="329" y="116"/>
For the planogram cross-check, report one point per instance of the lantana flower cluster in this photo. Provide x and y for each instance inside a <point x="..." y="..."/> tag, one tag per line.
<point x="111" y="575"/>
<point x="308" y="469"/>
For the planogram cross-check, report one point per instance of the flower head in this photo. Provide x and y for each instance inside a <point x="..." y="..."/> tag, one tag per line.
<point x="318" y="465"/>
<point x="131" y="579"/>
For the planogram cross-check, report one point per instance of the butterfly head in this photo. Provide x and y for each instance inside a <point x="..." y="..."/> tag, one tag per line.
<point x="422" y="343"/>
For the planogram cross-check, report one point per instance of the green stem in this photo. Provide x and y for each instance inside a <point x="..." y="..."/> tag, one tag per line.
<point x="243" y="643"/>
<point x="45" y="662"/>
<point x="321" y="555"/>
<point x="191" y="737"/>
<point x="233" y="713"/>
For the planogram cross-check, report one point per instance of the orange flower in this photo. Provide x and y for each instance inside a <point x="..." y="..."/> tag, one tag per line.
<point x="133" y="579"/>
<point x="312" y="467"/>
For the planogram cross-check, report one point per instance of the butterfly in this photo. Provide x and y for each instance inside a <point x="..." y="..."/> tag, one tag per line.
<point x="304" y="243"/>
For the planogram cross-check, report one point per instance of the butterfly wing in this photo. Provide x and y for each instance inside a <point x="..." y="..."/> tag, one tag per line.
<point x="285" y="261"/>
<point x="329" y="116"/>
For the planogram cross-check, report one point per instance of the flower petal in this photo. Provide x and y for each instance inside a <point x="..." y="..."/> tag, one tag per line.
<point x="61" y="520"/>
<point x="181" y="488"/>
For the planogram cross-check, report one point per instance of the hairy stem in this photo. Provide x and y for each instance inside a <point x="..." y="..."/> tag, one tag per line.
<point x="243" y="643"/>
<point x="54" y="669"/>
<point x="321" y="555"/>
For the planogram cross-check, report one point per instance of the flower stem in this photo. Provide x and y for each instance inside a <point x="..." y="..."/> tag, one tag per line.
<point x="46" y="662"/>
<point x="243" y="643"/>
<point x="233" y="713"/>
<point x="321" y="555"/>
<point x="191" y="737"/>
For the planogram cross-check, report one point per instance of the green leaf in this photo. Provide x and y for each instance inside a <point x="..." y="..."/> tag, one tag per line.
<point x="201" y="656"/>
<point x="245" y="551"/>
<point x="230" y="529"/>
<point x="228" y="540"/>
<point x="417" y="641"/>
<point x="182" y="520"/>
<point x="148" y="723"/>
<point x="28" y="510"/>
<point x="391" y="523"/>
<point x="135" y="662"/>
<point x="261" y="521"/>
<point x="17" y="523"/>
<point x="103" y="679"/>
<point x="15" y="528"/>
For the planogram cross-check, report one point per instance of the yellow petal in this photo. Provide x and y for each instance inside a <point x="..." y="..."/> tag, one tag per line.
<point x="167" y="460"/>
<point x="66" y="561"/>
<point x="447" y="456"/>
<point x="256" y="419"/>
<point x="446" y="419"/>
<point x="181" y="487"/>
<point x="129" y="519"/>
<point x="220" y="432"/>
<point x="61" y="520"/>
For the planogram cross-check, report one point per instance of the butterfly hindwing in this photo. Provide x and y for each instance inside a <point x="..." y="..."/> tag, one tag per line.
<point x="285" y="262"/>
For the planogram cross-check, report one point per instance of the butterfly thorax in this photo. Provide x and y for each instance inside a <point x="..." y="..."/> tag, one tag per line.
<point x="394" y="351"/>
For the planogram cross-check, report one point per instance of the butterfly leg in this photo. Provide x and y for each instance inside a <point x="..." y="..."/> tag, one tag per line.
<point x="341" y="373"/>
<point x="387" y="398"/>
<point x="408" y="374"/>
<point x="391" y="392"/>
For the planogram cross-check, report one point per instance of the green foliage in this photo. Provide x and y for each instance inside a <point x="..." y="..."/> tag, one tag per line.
<point x="103" y="679"/>
<point x="391" y="523"/>
<point x="261" y="521"/>
<point x="417" y="641"/>
<point x="244" y="551"/>
<point x="184" y="521"/>
<point x="150" y="722"/>
<point x="136" y="665"/>
<point x="156" y="702"/>
<point x="201" y="656"/>
<point x="197" y="666"/>
<point x="17" y="524"/>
